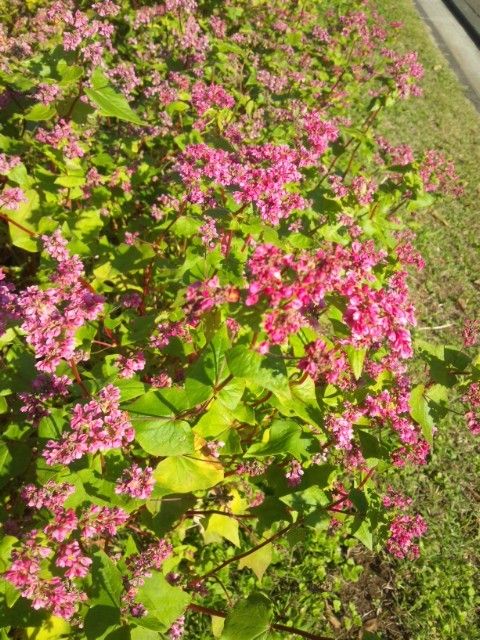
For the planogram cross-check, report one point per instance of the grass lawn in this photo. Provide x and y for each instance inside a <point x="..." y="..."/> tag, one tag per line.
<point x="437" y="597"/>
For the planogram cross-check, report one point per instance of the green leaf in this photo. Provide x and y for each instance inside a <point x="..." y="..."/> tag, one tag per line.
<point x="40" y="111"/>
<point x="209" y="370"/>
<point x="70" y="181"/>
<point x="284" y="436"/>
<point x="108" y="579"/>
<point x="137" y="633"/>
<point x="243" y="362"/>
<point x="163" y="602"/>
<point x="217" y="626"/>
<point x="250" y="619"/>
<point x="356" y="357"/>
<point x="108" y="101"/>
<point x="419" y="411"/>
<point x="215" y="420"/>
<point x="14" y="459"/>
<point x="182" y="475"/>
<point x="20" y="237"/>
<point x="164" y="403"/>
<point x="164" y="437"/>
<point x="362" y="530"/>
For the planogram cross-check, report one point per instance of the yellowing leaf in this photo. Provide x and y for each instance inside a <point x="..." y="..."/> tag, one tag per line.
<point x="217" y="626"/>
<point x="179" y="474"/>
<point x="258" y="561"/>
<point x="51" y="629"/>
<point x="222" y="527"/>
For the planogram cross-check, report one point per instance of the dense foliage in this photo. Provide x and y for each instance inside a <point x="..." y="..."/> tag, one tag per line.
<point x="205" y="316"/>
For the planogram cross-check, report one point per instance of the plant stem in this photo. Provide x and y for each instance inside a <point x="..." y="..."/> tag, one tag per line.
<point x="31" y="233"/>
<point x="239" y="556"/>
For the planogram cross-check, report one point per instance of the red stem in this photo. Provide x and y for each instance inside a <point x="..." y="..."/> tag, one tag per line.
<point x="239" y="556"/>
<point x="31" y="233"/>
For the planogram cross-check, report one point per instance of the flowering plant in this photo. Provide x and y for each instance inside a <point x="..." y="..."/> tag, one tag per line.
<point x="205" y="313"/>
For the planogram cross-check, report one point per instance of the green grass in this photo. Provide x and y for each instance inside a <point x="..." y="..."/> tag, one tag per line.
<point x="437" y="596"/>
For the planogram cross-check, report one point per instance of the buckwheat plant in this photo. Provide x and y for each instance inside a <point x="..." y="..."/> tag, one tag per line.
<point x="206" y="324"/>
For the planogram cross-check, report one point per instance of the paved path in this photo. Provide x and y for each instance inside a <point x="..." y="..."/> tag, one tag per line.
<point x="455" y="42"/>
<point x="469" y="11"/>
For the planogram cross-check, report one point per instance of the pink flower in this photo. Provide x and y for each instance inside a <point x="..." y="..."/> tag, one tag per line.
<point x="206" y="96"/>
<point x="128" y="366"/>
<point x="136" y="482"/>
<point x="161" y="380"/>
<point x="99" y="425"/>
<point x="47" y="93"/>
<point x="52" y="316"/>
<point x="294" y="473"/>
<point x="12" y="197"/>
<point x="363" y="190"/>
<point x="102" y="521"/>
<point x="7" y="163"/>
<point x="70" y="556"/>
<point x="51" y="496"/>
<point x="472" y="399"/>
<point x="403" y="531"/>
<point x="62" y="137"/>
<point x="320" y="132"/>
<point x="177" y="629"/>
<point x="65" y="522"/>
<point x="325" y="365"/>
<point x="471" y="332"/>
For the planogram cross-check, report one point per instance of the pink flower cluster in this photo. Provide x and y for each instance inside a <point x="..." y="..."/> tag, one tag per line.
<point x="294" y="473"/>
<point x="56" y="594"/>
<point x="177" y="629"/>
<point x="8" y="303"/>
<point x="59" y="594"/>
<point x="47" y="93"/>
<point x="62" y="137"/>
<point x="140" y="566"/>
<point x="136" y="482"/>
<point x="166" y="331"/>
<point x="399" y="156"/>
<point x="341" y="426"/>
<point x="46" y="387"/>
<point x="206" y="96"/>
<point x="470" y="333"/>
<point x="82" y="32"/>
<point x="7" y="163"/>
<point x="12" y="197"/>
<point x="258" y="175"/>
<point x="52" y="316"/>
<point x="324" y="365"/>
<point x="404" y="529"/>
<point x="296" y="287"/>
<point x="128" y="366"/>
<point x="439" y="174"/>
<point x="320" y="132"/>
<point x="405" y="71"/>
<point x="99" y="425"/>
<point x="202" y="297"/>
<point x="363" y="189"/>
<point x="472" y="400"/>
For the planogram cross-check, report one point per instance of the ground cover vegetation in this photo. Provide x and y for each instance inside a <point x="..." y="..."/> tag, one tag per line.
<point x="206" y="318"/>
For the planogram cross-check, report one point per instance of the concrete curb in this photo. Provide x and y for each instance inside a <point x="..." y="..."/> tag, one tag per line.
<point x="468" y="12"/>
<point x="455" y="43"/>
